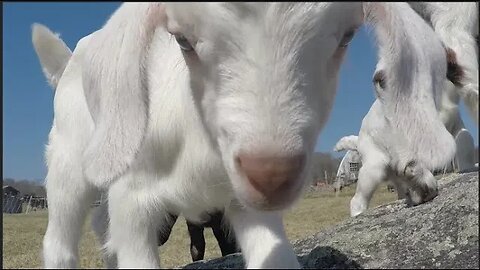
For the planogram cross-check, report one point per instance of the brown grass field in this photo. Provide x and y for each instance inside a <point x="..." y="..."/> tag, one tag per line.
<point x="23" y="233"/>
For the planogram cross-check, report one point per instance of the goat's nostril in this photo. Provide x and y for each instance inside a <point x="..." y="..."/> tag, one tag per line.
<point x="271" y="174"/>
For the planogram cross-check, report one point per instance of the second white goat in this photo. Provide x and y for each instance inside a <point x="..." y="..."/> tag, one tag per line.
<point x="373" y="143"/>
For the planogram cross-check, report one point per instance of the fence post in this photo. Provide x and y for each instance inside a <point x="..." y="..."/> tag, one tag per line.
<point x="28" y="205"/>
<point x="18" y="202"/>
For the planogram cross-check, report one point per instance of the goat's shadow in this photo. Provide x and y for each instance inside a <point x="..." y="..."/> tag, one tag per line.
<point x="322" y="257"/>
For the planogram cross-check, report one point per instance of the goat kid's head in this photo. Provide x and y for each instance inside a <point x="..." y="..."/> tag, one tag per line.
<point x="263" y="76"/>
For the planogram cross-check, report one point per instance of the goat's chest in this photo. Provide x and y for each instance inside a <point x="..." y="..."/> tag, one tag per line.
<point x="199" y="184"/>
<point x="182" y="170"/>
<point x="185" y="173"/>
<point x="204" y="182"/>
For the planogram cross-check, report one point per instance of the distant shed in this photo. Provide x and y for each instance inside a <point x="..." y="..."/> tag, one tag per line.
<point x="11" y="202"/>
<point x="10" y="191"/>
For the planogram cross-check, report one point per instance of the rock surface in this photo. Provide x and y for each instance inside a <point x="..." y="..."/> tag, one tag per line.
<point x="442" y="233"/>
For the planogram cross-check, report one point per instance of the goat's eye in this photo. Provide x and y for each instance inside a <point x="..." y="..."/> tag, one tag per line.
<point x="183" y="43"/>
<point x="379" y="78"/>
<point x="347" y="38"/>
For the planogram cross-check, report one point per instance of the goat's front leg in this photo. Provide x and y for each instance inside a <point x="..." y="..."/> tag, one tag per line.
<point x="133" y="227"/>
<point x="371" y="174"/>
<point x="262" y="239"/>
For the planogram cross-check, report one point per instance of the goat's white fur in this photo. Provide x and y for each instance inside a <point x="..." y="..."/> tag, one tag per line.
<point x="346" y="143"/>
<point x="457" y="26"/>
<point x="160" y="129"/>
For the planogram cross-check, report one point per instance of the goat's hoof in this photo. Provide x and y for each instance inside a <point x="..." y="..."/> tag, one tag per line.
<point x="417" y="197"/>
<point x="430" y="194"/>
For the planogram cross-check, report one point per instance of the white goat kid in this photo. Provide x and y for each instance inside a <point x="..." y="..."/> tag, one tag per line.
<point x="415" y="182"/>
<point x="457" y="26"/>
<point x="373" y="147"/>
<point x="223" y="115"/>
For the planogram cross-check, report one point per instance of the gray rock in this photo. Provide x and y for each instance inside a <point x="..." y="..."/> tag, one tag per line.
<point x="442" y="233"/>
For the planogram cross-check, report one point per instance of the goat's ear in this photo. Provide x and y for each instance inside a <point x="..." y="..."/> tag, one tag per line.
<point x="461" y="77"/>
<point x="52" y="52"/>
<point x="116" y="89"/>
<point x="414" y="66"/>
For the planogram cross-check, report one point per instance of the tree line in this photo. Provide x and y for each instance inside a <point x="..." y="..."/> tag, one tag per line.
<point x="324" y="167"/>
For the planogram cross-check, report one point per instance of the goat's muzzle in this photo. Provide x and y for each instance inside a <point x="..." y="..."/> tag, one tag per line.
<point x="272" y="179"/>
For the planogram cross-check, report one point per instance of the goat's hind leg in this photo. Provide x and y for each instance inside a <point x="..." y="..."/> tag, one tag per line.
<point x="197" y="241"/>
<point x="69" y="197"/>
<point x="165" y="231"/>
<point x="100" y="220"/>
<point x="225" y="237"/>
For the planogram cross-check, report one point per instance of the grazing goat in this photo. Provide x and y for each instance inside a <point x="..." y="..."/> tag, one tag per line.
<point x="190" y="107"/>
<point x="457" y="26"/>
<point x="373" y="147"/>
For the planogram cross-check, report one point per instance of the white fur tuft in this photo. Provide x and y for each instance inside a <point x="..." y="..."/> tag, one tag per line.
<point x="346" y="143"/>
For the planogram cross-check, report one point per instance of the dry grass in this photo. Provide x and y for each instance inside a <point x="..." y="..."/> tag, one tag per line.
<point x="23" y="233"/>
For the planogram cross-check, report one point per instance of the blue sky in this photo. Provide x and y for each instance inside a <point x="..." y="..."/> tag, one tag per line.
<point x="28" y="100"/>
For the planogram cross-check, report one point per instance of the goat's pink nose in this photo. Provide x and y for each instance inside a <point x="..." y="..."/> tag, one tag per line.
<point x="271" y="176"/>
